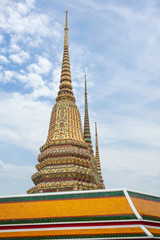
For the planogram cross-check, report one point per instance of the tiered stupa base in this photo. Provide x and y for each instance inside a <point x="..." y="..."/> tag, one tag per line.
<point x="64" y="165"/>
<point x="62" y="186"/>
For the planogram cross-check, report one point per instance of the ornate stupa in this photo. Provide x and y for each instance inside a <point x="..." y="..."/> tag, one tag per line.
<point x="66" y="160"/>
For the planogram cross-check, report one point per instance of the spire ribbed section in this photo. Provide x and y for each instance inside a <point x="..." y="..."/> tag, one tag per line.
<point x="87" y="134"/>
<point x="101" y="183"/>
<point x="65" y="88"/>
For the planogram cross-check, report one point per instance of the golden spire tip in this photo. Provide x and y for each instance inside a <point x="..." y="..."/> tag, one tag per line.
<point x="96" y="128"/>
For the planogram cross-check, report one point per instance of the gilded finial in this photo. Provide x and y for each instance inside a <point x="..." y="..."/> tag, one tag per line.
<point x="66" y="23"/>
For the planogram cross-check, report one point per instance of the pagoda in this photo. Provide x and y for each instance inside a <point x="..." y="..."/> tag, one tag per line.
<point x="66" y="160"/>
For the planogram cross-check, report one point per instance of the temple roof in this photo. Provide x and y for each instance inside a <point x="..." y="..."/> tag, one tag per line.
<point x="85" y="214"/>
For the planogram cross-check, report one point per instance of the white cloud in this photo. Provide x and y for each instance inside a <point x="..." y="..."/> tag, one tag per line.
<point x="54" y="85"/>
<point x="81" y="64"/>
<point x="31" y="80"/>
<point x="40" y="88"/>
<point x="14" y="48"/>
<point x="128" y="144"/>
<point x="20" y="57"/>
<point x="3" y="59"/>
<point x="25" y="23"/>
<point x="8" y="76"/>
<point x="143" y="163"/>
<point x="1" y="38"/>
<point x="131" y="181"/>
<point x="130" y="130"/>
<point x="28" y="127"/>
<point x="24" y="8"/>
<point x="43" y="66"/>
<point x="15" y="171"/>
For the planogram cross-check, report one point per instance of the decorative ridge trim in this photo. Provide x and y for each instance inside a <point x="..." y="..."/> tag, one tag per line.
<point x="106" y="223"/>
<point x="90" y="219"/>
<point x="131" y="204"/>
<point x="64" y="142"/>
<point x="52" y="197"/>
<point x="59" y="193"/>
<point x="144" y="196"/>
<point x="149" y="194"/>
<point x="73" y="192"/>
<point x="146" y="231"/>
<point x="108" y="238"/>
<point x="47" y="227"/>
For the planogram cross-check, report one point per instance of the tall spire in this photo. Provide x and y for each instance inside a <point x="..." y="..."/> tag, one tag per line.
<point x="65" y="88"/>
<point x="65" y="162"/>
<point x="87" y="134"/>
<point x="101" y="183"/>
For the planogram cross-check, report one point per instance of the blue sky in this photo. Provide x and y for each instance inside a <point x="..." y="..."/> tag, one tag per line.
<point x="117" y="44"/>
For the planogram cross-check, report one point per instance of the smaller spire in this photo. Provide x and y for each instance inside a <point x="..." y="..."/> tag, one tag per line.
<point x="101" y="183"/>
<point x="87" y="134"/>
